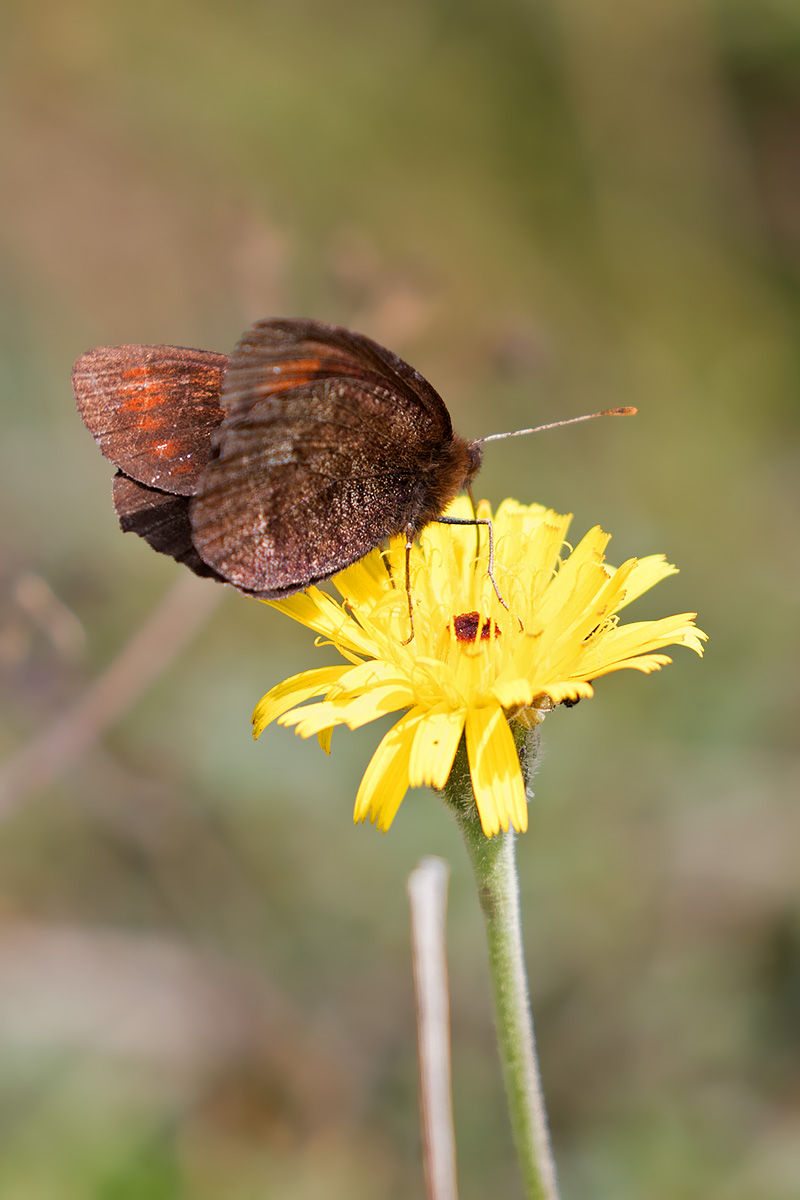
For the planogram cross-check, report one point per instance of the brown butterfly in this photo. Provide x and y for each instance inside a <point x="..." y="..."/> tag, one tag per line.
<point x="281" y="465"/>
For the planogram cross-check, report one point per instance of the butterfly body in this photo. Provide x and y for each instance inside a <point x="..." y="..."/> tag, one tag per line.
<point x="279" y="466"/>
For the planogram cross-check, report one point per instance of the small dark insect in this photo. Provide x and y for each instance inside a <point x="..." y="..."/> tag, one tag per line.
<point x="278" y="466"/>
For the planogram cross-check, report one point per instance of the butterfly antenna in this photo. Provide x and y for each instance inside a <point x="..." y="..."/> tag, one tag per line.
<point x="606" y="412"/>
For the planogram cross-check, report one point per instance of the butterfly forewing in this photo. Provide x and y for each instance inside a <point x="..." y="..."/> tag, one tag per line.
<point x="152" y="410"/>
<point x="279" y="355"/>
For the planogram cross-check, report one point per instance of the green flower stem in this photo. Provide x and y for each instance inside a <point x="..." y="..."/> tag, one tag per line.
<point x="494" y="863"/>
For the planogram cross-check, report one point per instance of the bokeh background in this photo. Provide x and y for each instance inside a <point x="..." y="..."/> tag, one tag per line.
<point x="547" y="206"/>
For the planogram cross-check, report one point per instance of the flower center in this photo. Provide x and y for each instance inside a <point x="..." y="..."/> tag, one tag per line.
<point x="466" y="627"/>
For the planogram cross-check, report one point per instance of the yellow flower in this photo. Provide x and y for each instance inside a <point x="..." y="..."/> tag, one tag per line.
<point x="472" y="665"/>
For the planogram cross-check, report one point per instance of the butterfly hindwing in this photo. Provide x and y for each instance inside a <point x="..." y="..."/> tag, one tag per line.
<point x="161" y="518"/>
<point x="308" y="484"/>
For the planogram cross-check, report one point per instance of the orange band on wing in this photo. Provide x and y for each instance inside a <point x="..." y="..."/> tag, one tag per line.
<point x="304" y="367"/>
<point x="289" y="373"/>
<point x="136" y="389"/>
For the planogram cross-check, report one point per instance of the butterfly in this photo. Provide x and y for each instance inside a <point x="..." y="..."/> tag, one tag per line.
<point x="276" y="467"/>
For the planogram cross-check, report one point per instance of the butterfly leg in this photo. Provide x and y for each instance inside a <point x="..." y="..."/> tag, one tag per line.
<point x="409" y="540"/>
<point x="479" y="521"/>
<point x="473" y="505"/>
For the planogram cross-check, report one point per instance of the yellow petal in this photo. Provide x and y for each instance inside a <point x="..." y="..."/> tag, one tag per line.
<point x="293" y="691"/>
<point x="569" y="689"/>
<point x="435" y="744"/>
<point x="515" y="690"/>
<point x="385" y="780"/>
<point x="613" y="646"/>
<point x="363" y="581"/>
<point x="495" y="771"/>
<point x="578" y="576"/>
<point x="649" y="571"/>
<point x="350" y="711"/>
<point x="324" y="737"/>
<point x="368" y="675"/>
<point x="535" y="543"/>
<point x="646" y="663"/>
<point x="320" y="612"/>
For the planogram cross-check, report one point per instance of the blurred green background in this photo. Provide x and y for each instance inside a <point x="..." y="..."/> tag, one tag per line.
<point x="546" y="207"/>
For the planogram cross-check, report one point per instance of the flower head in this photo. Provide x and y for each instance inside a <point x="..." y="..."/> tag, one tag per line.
<point x="472" y="665"/>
